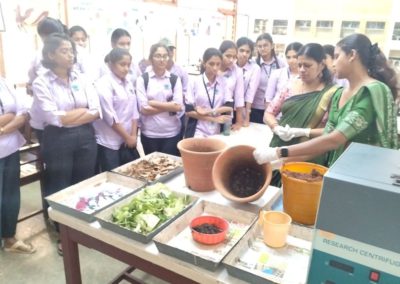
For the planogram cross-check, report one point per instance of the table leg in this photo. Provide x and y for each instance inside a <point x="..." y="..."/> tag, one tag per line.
<point x="70" y="256"/>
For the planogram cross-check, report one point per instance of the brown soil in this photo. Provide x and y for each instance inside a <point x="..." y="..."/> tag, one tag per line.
<point x="207" y="228"/>
<point x="246" y="181"/>
<point x="311" y="177"/>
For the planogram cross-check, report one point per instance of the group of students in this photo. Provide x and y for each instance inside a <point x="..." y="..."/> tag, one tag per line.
<point x="88" y="118"/>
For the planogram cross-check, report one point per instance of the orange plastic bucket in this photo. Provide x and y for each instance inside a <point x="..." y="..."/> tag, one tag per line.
<point x="300" y="197"/>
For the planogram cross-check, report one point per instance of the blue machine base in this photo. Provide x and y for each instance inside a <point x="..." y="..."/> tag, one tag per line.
<point x="330" y="269"/>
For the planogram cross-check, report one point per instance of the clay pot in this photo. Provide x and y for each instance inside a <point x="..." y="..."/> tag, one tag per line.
<point x="300" y="197"/>
<point x="227" y="163"/>
<point x="198" y="156"/>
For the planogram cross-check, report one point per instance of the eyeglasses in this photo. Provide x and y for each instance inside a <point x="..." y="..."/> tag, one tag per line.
<point x="160" y="57"/>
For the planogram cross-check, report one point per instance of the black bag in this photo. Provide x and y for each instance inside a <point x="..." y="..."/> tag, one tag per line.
<point x="190" y="128"/>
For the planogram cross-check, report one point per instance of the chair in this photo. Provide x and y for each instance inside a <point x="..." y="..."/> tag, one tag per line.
<point x="31" y="171"/>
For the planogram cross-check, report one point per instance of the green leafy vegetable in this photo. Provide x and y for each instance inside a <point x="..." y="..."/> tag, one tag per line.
<point x="150" y="208"/>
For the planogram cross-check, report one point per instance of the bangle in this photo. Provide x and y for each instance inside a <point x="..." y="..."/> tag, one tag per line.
<point x="1" y="130"/>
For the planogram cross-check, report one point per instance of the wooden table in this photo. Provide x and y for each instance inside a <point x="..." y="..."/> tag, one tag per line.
<point x="146" y="256"/>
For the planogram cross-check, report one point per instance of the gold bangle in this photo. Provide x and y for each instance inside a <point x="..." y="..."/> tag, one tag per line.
<point x="1" y="130"/>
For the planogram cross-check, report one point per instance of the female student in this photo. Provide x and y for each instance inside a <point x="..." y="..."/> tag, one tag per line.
<point x="12" y="117"/>
<point x="121" y="38"/>
<point x="234" y="79"/>
<point x="116" y="132"/>
<point x="160" y="102"/>
<point x="268" y="61"/>
<point x="68" y="107"/>
<point x="281" y="77"/>
<point x="251" y="74"/>
<point x="363" y="112"/>
<point x="209" y="99"/>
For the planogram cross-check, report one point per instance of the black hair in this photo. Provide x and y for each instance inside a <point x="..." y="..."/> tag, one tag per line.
<point x="49" y="25"/>
<point x="208" y="53"/>
<point x="316" y="53"/>
<point x="227" y="44"/>
<point x="154" y="48"/>
<point x="116" y="54"/>
<point x="245" y="41"/>
<point x="74" y="29"/>
<point x="117" y="34"/>
<point x="329" y="50"/>
<point x="50" y="45"/>
<point x="293" y="46"/>
<point x="267" y="37"/>
<point x="372" y="59"/>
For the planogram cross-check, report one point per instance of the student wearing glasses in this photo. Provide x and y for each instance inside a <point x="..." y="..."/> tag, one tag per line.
<point x="69" y="105"/>
<point x="160" y="103"/>
<point x="268" y="61"/>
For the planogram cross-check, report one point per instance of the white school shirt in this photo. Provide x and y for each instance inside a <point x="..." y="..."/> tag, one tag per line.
<point x="118" y="105"/>
<point x="10" y="142"/>
<point x="197" y="96"/>
<point x="53" y="97"/>
<point x="164" y="124"/>
<point x="235" y="83"/>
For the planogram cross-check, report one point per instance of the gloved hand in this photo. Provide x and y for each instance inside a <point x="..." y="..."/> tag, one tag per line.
<point x="299" y="132"/>
<point x="277" y="164"/>
<point x="283" y="132"/>
<point x="265" y="154"/>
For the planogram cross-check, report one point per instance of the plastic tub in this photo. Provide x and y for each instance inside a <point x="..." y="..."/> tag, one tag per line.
<point x="300" y="197"/>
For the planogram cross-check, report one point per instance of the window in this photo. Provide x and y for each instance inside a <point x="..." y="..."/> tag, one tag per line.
<point x="396" y="31"/>
<point x="349" y="27"/>
<point x="260" y="26"/>
<point x="324" y="24"/>
<point x="375" y="25"/>
<point x="303" y="24"/>
<point x="279" y="27"/>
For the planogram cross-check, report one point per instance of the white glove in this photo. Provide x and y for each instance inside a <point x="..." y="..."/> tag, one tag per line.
<point x="299" y="132"/>
<point x="277" y="164"/>
<point x="283" y="132"/>
<point x="265" y="154"/>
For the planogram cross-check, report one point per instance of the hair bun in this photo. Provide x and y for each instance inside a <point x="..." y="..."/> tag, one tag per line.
<point x="374" y="50"/>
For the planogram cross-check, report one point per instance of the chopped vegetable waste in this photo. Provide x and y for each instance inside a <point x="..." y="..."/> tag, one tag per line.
<point x="150" y="208"/>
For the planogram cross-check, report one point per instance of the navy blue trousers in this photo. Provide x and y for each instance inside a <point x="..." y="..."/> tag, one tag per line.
<point x="110" y="159"/>
<point x="69" y="155"/>
<point x="257" y="115"/>
<point x="164" y="145"/>
<point x="9" y="195"/>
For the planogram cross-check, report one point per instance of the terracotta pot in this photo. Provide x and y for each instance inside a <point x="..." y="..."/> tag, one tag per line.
<point x="300" y="197"/>
<point x="198" y="156"/>
<point x="228" y="162"/>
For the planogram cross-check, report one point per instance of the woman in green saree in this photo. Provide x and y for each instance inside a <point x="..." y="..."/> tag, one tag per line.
<point x="303" y="104"/>
<point x="363" y="112"/>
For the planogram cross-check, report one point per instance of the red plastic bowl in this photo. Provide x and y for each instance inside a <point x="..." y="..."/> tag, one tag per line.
<point x="209" y="239"/>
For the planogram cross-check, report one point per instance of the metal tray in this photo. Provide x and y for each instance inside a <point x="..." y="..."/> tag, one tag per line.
<point x="104" y="218"/>
<point x="124" y="169"/>
<point x="83" y="200"/>
<point x="176" y="239"/>
<point x="254" y="262"/>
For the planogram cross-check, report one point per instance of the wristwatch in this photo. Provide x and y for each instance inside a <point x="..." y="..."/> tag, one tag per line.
<point x="284" y="152"/>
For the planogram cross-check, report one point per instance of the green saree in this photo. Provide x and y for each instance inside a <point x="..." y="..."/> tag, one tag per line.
<point x="303" y="111"/>
<point x="369" y="117"/>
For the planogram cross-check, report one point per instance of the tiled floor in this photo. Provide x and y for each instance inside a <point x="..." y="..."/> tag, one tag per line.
<point x="46" y="266"/>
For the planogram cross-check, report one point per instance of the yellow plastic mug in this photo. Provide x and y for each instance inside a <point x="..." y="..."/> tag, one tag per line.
<point x="275" y="227"/>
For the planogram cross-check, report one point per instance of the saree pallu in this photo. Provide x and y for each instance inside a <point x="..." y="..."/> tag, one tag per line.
<point x="303" y="111"/>
<point x="380" y="131"/>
